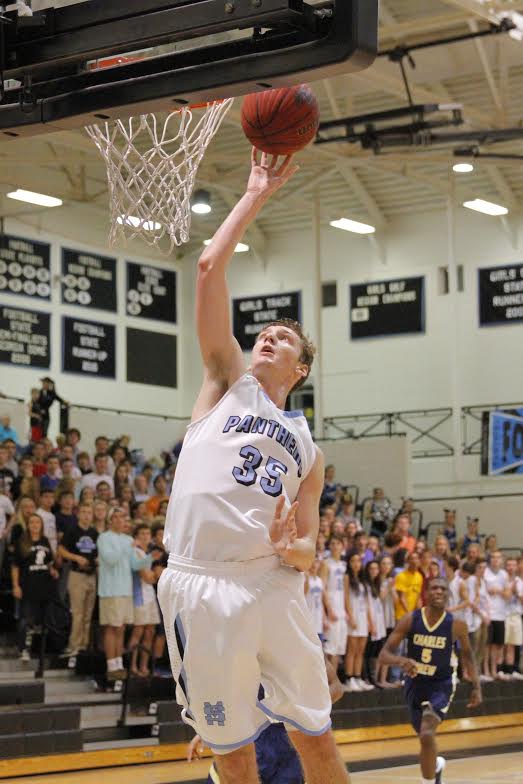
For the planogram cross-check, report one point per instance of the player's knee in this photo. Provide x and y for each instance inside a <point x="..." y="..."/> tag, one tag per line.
<point x="236" y="762"/>
<point x="323" y="745"/>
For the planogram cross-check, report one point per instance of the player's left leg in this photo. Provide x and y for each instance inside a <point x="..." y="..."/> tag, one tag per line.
<point x="320" y="758"/>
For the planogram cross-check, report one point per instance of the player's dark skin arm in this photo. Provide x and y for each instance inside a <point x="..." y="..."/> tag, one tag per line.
<point x="387" y="656"/>
<point x="460" y="634"/>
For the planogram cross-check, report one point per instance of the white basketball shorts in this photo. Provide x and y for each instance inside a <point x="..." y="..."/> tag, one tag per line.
<point x="336" y="638"/>
<point x="232" y="627"/>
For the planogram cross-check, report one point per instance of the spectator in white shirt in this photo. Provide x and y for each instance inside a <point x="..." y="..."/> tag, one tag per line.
<point x="499" y="592"/>
<point x="47" y="500"/>
<point x="101" y="447"/>
<point x="513" y="624"/>
<point x="100" y="474"/>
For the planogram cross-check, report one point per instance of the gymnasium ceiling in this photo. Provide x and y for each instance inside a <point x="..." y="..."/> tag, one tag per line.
<point x="485" y="75"/>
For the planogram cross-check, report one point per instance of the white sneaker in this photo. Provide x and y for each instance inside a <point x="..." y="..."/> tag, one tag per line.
<point x="502" y="676"/>
<point x="25" y="656"/>
<point x="486" y="679"/>
<point x="355" y="684"/>
<point x="364" y="686"/>
<point x="440" y="767"/>
<point x="517" y="676"/>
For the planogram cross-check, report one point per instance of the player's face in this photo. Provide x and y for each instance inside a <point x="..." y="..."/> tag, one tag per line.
<point x="437" y="594"/>
<point x="278" y="349"/>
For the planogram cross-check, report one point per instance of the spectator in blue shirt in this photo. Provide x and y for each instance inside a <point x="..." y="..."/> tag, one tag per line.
<point x="6" y="431"/>
<point x="51" y="478"/>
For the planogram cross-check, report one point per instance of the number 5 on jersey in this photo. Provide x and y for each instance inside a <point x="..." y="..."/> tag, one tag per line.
<point x="247" y="474"/>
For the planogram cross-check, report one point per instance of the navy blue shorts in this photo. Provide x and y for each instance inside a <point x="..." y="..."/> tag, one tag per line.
<point x="420" y="692"/>
<point x="278" y="762"/>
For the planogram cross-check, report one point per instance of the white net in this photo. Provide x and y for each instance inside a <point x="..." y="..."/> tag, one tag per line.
<point x="151" y="171"/>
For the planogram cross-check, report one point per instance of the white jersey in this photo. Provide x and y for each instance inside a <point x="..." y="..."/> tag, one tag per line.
<point x="314" y="599"/>
<point x="498" y="605"/>
<point x="378" y="618"/>
<point x="235" y="463"/>
<point x="335" y="586"/>
<point x="515" y="603"/>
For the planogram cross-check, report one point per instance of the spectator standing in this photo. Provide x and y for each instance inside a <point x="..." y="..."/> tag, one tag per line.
<point x="401" y="527"/>
<point x="12" y="462"/>
<point x="26" y="484"/>
<point x="51" y="479"/>
<point x="481" y="609"/>
<point x="78" y="546"/>
<point x="34" y="409"/>
<point x="7" y="477"/>
<point x="100" y="510"/>
<point x="314" y="589"/>
<point x="73" y="438"/>
<point x="449" y="528"/>
<point x="48" y="395"/>
<point x="387" y="601"/>
<point x="332" y="491"/>
<point x="472" y="535"/>
<point x="160" y="490"/>
<point x="6" y="431"/>
<point x="378" y="631"/>
<point x="408" y="585"/>
<point x="117" y="560"/>
<point x="65" y="515"/>
<point x="70" y="480"/>
<point x="346" y="514"/>
<point x="441" y="555"/>
<point x="7" y="511"/>
<point x="39" y="459"/>
<point x="121" y="478"/>
<point x="25" y="507"/>
<point x="499" y="592"/>
<point x="100" y="474"/>
<point x="359" y="623"/>
<point x="101" y="447"/>
<point x="334" y="601"/>
<point x="83" y="462"/>
<point x="513" y="624"/>
<point x="380" y="512"/>
<point x="146" y="611"/>
<point x="141" y="493"/>
<point x="32" y="576"/>
<point x="491" y="546"/>
<point x="48" y="518"/>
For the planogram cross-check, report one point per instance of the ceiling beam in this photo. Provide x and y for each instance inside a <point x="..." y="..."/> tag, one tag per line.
<point x="422" y="25"/>
<point x="475" y="8"/>
<point x="503" y="187"/>
<point x="487" y="68"/>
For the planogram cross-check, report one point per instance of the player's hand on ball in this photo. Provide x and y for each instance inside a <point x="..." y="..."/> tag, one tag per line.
<point x="409" y="667"/>
<point x="283" y="531"/>
<point x="270" y="173"/>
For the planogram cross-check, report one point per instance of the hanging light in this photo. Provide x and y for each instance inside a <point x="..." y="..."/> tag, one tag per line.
<point x="202" y="202"/>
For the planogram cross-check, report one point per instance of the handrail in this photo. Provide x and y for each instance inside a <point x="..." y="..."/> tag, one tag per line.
<point x="476" y="497"/>
<point x="12" y="397"/>
<point x="105" y="409"/>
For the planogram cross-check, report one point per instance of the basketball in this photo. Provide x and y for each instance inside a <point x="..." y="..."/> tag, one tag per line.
<point x="282" y="121"/>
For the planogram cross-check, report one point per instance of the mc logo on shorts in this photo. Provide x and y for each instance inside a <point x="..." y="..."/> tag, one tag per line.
<point x="215" y="714"/>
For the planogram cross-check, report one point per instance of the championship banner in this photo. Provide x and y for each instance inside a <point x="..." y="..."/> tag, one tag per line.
<point x="151" y="292"/>
<point x="25" y="337"/>
<point x="25" y="267"/>
<point x="502" y="442"/>
<point x="89" y="348"/>
<point x="88" y="280"/>
<point x="252" y="314"/>
<point x="387" y="308"/>
<point x="500" y="295"/>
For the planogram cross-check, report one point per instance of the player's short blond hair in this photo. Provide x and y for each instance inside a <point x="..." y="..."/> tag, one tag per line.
<point x="308" y="349"/>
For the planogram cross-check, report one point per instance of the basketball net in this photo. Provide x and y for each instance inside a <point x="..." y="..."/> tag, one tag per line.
<point x="151" y="171"/>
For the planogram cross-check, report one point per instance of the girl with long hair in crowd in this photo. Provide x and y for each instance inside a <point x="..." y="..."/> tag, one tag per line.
<point x="491" y="546"/>
<point x="33" y="577"/>
<point x="387" y="601"/>
<point x="359" y="623"/>
<point x="378" y="631"/>
<point x="121" y="478"/>
<point x="86" y="496"/>
<point x="442" y="554"/>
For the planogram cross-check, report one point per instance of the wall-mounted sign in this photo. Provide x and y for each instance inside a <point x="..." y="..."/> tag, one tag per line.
<point x="24" y="267"/>
<point x="502" y="442"/>
<point x="25" y="337"/>
<point x="151" y="292"/>
<point x="388" y="307"/>
<point x="500" y="295"/>
<point x="88" y="280"/>
<point x="89" y="347"/>
<point x="151" y="358"/>
<point x="252" y="314"/>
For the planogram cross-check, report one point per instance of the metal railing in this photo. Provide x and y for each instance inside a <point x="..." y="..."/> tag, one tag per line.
<point x="472" y="418"/>
<point x="430" y="429"/>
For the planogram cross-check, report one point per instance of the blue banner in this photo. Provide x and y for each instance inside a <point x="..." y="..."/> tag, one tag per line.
<point x="502" y="442"/>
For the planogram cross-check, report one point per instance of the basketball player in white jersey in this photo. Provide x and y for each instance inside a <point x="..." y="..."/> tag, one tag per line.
<point x="241" y="528"/>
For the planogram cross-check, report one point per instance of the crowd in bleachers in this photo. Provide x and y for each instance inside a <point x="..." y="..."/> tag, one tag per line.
<point x="372" y="569"/>
<point x="81" y="529"/>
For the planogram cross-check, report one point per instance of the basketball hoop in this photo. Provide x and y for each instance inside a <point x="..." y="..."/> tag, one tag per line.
<point x="151" y="171"/>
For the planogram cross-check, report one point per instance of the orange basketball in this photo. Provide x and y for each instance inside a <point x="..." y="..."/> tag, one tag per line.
<point x="282" y="121"/>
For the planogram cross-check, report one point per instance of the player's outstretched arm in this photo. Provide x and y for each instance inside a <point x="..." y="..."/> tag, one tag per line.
<point x="389" y="658"/>
<point x="220" y="352"/>
<point x="460" y="633"/>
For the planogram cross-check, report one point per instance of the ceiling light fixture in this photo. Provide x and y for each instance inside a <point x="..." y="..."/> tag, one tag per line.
<point x="486" y="207"/>
<point x="241" y="247"/>
<point x="41" y="199"/>
<point x="354" y="226"/>
<point x="463" y="168"/>
<point x="202" y="202"/>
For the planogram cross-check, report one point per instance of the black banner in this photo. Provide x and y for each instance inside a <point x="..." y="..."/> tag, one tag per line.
<point x="389" y="307"/>
<point x="252" y="314"/>
<point x="89" y="348"/>
<point x="88" y="280"/>
<point x="151" y="358"/>
<point x="25" y="337"/>
<point x="151" y="292"/>
<point x="24" y="267"/>
<point x="500" y="294"/>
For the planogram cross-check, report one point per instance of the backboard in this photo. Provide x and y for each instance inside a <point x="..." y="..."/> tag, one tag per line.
<point x="191" y="51"/>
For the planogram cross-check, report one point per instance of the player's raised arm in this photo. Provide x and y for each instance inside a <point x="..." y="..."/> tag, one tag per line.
<point x="221" y="353"/>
